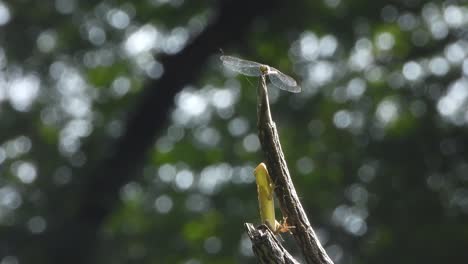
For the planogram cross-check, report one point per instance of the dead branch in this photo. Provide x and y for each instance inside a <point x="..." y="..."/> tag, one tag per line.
<point x="289" y="202"/>
<point x="266" y="247"/>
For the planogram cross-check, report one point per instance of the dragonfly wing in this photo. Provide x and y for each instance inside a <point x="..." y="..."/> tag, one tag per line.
<point x="283" y="81"/>
<point x="246" y="67"/>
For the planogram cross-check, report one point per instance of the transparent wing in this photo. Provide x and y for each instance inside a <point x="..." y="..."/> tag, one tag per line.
<point x="246" y="67"/>
<point x="283" y="81"/>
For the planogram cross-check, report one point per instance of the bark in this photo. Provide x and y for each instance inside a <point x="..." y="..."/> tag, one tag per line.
<point x="284" y="189"/>
<point x="266" y="247"/>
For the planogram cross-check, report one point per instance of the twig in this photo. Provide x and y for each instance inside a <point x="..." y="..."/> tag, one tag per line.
<point x="289" y="202"/>
<point x="266" y="247"/>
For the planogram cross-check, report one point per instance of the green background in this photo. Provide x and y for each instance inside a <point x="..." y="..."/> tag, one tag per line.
<point x="124" y="140"/>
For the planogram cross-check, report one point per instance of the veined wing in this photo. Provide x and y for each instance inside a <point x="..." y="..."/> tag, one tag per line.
<point x="283" y="81"/>
<point x="246" y="67"/>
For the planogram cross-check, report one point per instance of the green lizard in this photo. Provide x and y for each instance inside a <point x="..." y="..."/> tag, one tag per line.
<point x="265" y="189"/>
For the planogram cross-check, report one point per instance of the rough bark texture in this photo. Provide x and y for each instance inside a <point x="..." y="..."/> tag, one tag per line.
<point x="284" y="189"/>
<point x="266" y="247"/>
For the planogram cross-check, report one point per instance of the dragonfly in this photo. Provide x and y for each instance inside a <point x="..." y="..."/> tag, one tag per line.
<point x="252" y="68"/>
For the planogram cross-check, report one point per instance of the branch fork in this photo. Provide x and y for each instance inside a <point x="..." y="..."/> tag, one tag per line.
<point x="290" y="205"/>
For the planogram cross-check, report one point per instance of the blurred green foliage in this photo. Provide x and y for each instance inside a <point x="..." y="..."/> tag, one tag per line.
<point x="375" y="142"/>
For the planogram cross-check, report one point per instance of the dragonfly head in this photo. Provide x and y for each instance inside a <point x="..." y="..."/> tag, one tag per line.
<point x="264" y="69"/>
